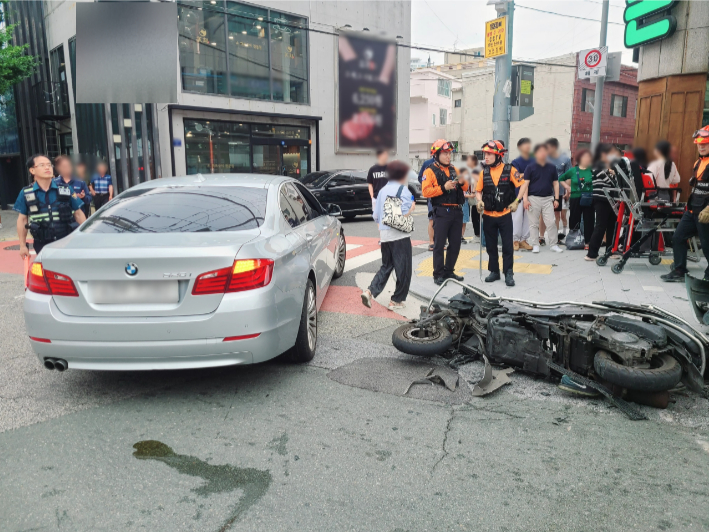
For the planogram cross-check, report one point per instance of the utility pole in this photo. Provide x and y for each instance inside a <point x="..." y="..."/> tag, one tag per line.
<point x="599" y="91"/>
<point x="503" y="85"/>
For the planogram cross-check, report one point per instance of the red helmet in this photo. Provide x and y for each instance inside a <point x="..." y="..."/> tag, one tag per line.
<point x="701" y="136"/>
<point x="441" y="145"/>
<point x="494" y="146"/>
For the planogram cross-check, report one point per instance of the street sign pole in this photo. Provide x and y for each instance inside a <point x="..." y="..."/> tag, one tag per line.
<point x="599" y="91"/>
<point x="503" y="84"/>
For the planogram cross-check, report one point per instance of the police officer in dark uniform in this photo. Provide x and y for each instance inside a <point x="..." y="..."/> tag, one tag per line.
<point x="695" y="219"/>
<point x="63" y="167"/>
<point x="445" y="189"/>
<point x="49" y="210"/>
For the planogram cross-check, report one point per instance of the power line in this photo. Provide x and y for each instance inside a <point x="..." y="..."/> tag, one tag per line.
<point x="442" y="22"/>
<point x="518" y="6"/>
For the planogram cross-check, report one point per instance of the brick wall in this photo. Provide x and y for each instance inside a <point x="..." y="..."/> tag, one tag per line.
<point x="616" y="130"/>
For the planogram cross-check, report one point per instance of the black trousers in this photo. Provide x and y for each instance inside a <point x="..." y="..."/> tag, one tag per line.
<point x="86" y="209"/>
<point x="475" y="219"/>
<point x="492" y="225"/>
<point x="688" y="227"/>
<point x="577" y="213"/>
<point x="397" y="256"/>
<point x="100" y="200"/>
<point x="604" y="225"/>
<point x="447" y="225"/>
<point x="37" y="245"/>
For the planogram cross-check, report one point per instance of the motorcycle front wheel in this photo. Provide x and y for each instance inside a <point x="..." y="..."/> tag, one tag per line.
<point x="421" y="342"/>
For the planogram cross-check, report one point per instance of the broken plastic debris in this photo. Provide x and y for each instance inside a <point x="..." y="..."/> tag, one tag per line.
<point x="492" y="379"/>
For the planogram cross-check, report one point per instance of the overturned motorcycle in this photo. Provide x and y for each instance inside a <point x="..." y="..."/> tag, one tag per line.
<point x="616" y="348"/>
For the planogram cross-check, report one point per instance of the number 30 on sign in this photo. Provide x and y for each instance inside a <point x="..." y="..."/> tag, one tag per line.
<point x="592" y="63"/>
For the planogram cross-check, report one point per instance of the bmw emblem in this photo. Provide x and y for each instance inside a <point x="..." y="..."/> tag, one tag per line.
<point x="131" y="269"/>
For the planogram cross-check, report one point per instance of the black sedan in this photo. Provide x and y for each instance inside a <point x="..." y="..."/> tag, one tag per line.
<point x="345" y="188"/>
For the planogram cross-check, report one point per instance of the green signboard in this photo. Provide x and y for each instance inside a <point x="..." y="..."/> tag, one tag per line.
<point x="648" y="21"/>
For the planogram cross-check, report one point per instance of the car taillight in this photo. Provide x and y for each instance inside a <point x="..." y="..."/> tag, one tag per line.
<point x="244" y="274"/>
<point x="36" y="281"/>
<point x="212" y="282"/>
<point x="43" y="281"/>
<point x="60" y="284"/>
<point x="248" y="274"/>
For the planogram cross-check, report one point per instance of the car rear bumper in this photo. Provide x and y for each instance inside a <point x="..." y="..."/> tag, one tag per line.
<point x="179" y="342"/>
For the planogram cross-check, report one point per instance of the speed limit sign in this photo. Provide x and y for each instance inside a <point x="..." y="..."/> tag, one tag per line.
<point x="592" y="63"/>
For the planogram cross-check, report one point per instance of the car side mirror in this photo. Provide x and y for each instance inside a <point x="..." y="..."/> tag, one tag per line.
<point x="334" y="210"/>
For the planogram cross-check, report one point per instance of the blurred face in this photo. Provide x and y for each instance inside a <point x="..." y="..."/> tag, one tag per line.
<point x="80" y="171"/>
<point x="471" y="162"/>
<point x="465" y="174"/>
<point x="551" y="150"/>
<point x="445" y="157"/>
<point x="64" y="168"/>
<point x="42" y="169"/>
<point x="657" y="154"/>
<point x="585" y="161"/>
<point x="383" y="158"/>
<point x="489" y="158"/>
<point x="605" y="157"/>
<point x="702" y="149"/>
<point x="541" y="155"/>
<point x="524" y="150"/>
<point x="102" y="169"/>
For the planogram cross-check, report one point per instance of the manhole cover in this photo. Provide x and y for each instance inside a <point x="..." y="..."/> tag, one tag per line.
<point x="16" y="247"/>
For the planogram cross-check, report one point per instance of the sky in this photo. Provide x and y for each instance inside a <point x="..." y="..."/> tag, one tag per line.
<point x="460" y="24"/>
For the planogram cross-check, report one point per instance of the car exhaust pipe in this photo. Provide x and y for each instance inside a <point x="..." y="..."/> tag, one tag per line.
<point x="49" y="363"/>
<point x="60" y="365"/>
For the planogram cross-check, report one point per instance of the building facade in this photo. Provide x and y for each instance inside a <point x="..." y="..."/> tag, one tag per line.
<point x="618" y="121"/>
<point x="673" y="83"/>
<point x="431" y="107"/>
<point x="257" y="91"/>
<point x="563" y="107"/>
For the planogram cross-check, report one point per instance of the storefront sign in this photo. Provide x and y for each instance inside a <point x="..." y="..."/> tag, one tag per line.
<point x="366" y="93"/>
<point x="496" y="37"/>
<point x="648" y="21"/>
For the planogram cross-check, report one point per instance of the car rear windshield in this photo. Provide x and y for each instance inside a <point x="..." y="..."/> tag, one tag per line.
<point x="316" y="179"/>
<point x="181" y="209"/>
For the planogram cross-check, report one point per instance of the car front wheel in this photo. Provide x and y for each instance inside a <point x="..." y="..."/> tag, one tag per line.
<point x="340" y="257"/>
<point x="305" y="348"/>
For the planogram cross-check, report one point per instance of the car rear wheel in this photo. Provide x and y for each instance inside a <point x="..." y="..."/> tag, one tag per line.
<point x="340" y="257"/>
<point x="305" y="348"/>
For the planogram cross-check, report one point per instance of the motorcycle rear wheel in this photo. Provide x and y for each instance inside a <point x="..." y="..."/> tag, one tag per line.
<point x="406" y="338"/>
<point x="664" y="376"/>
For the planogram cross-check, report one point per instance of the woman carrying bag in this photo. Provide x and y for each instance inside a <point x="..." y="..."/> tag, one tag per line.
<point x="393" y="214"/>
<point x="578" y="183"/>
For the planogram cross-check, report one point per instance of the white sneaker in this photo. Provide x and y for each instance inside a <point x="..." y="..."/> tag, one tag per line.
<point x="556" y="249"/>
<point x="536" y="249"/>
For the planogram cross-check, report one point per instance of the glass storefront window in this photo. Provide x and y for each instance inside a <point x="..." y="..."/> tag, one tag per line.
<point x="265" y="55"/>
<point x="216" y="147"/>
<point x="233" y="147"/>
<point x="289" y="58"/>
<point x="248" y="46"/>
<point x="203" y="56"/>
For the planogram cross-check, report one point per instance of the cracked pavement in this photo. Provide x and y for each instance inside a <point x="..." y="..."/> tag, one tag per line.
<point x="280" y="447"/>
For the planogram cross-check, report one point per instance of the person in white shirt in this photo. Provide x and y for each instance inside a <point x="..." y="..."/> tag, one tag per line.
<point x="395" y="245"/>
<point x="664" y="169"/>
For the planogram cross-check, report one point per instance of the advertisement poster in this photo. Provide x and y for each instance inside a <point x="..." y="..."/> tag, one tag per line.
<point x="366" y="99"/>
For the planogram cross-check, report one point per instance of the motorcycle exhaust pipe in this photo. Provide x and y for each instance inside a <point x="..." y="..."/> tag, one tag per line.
<point x="60" y="365"/>
<point x="49" y="363"/>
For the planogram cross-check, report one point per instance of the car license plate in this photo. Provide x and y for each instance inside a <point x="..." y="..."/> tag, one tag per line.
<point x="132" y="292"/>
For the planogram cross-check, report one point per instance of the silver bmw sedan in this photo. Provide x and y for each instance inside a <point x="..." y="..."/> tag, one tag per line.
<point x="187" y="272"/>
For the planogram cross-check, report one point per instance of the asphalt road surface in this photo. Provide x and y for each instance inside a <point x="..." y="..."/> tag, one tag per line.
<point x="335" y="444"/>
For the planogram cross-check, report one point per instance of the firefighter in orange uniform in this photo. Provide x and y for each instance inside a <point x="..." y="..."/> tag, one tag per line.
<point x="496" y="196"/>
<point x="695" y="219"/>
<point x="445" y="189"/>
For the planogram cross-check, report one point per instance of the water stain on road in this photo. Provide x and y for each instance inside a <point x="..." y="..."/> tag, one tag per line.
<point x="218" y="478"/>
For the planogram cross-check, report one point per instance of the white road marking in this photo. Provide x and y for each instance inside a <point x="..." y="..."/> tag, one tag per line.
<point x="360" y="260"/>
<point x="652" y="288"/>
<point x="350" y="247"/>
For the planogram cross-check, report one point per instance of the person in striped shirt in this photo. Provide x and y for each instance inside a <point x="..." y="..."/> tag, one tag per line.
<point x="605" y="218"/>
<point x="101" y="186"/>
